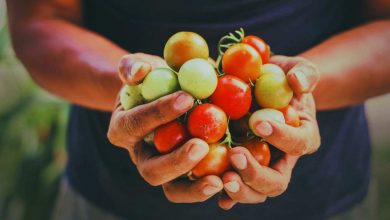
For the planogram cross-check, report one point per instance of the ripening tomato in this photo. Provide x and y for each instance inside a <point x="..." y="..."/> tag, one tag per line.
<point x="159" y="82"/>
<point x="233" y="96"/>
<point x="243" y="61"/>
<point x="169" y="136"/>
<point x="260" y="151"/>
<point x="291" y="116"/>
<point x="273" y="91"/>
<point x="259" y="44"/>
<point x="216" y="162"/>
<point x="184" y="46"/>
<point x="208" y="122"/>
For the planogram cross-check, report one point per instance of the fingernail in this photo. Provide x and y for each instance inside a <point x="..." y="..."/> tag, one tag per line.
<point x="197" y="152"/>
<point x="264" y="129"/>
<point x="210" y="190"/>
<point x="239" y="161"/>
<point x="183" y="102"/>
<point x="136" y="67"/>
<point x="232" y="186"/>
<point x="300" y="76"/>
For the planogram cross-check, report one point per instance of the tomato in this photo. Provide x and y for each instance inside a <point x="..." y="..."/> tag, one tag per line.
<point x="208" y="122"/>
<point x="216" y="162"/>
<point x="198" y="78"/>
<point x="265" y="114"/>
<point x="239" y="128"/>
<point x="159" y="82"/>
<point x="130" y="96"/>
<point x="243" y="61"/>
<point x="291" y="116"/>
<point x="273" y="91"/>
<point x="232" y="95"/>
<point x="261" y="47"/>
<point x="272" y="69"/>
<point x="260" y="151"/>
<point x="169" y="136"/>
<point x="184" y="46"/>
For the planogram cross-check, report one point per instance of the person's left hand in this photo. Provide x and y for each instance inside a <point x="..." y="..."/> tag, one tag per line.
<point x="252" y="182"/>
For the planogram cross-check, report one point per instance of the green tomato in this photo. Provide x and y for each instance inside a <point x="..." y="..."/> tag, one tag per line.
<point x="198" y="77"/>
<point x="130" y="96"/>
<point x="159" y="82"/>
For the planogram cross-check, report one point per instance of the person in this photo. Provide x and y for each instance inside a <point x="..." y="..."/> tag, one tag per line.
<point x="72" y="49"/>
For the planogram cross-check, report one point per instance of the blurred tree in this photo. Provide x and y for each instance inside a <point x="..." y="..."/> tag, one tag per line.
<point x="32" y="128"/>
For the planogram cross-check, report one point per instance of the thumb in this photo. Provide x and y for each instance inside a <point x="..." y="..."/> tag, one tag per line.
<point x="132" y="70"/>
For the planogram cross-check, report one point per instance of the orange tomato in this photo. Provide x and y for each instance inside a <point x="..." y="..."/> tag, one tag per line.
<point x="243" y="61"/>
<point x="260" y="151"/>
<point x="216" y="162"/>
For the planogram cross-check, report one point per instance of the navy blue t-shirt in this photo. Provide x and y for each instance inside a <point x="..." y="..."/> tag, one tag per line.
<point x="327" y="182"/>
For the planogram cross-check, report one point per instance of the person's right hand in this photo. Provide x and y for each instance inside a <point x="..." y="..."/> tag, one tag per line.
<point x="128" y="128"/>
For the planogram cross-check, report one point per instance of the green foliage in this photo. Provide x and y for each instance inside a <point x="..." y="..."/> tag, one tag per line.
<point x="32" y="128"/>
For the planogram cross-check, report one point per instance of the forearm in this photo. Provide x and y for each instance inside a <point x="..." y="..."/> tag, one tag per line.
<point x="69" y="61"/>
<point x="354" y="66"/>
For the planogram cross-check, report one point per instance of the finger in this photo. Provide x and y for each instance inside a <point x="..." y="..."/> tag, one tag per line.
<point x="186" y="191"/>
<point x="292" y="140"/>
<point x="129" y="127"/>
<point x="160" y="169"/>
<point x="132" y="70"/>
<point x="239" y="191"/>
<point x="265" y="180"/>
<point x="225" y="202"/>
<point x="302" y="74"/>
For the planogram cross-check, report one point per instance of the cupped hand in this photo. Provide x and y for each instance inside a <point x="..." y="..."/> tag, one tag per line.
<point x="128" y="128"/>
<point x="253" y="183"/>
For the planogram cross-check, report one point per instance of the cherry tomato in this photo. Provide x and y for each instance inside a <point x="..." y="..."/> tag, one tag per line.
<point x="159" y="82"/>
<point x="259" y="44"/>
<point x="243" y="61"/>
<point x="291" y="116"/>
<point x="208" y="122"/>
<point x="130" y="96"/>
<point x="184" y="46"/>
<point x="198" y="77"/>
<point x="169" y="136"/>
<point x="260" y="151"/>
<point x="273" y="91"/>
<point x="216" y="162"/>
<point x="232" y="95"/>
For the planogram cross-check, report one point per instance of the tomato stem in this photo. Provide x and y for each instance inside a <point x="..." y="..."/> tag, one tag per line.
<point x="225" y="42"/>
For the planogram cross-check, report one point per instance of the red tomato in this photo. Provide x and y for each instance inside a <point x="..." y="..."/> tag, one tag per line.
<point x="169" y="136"/>
<point x="216" y="162"/>
<point x="259" y="44"/>
<point x="291" y="116"/>
<point x="232" y="95"/>
<point x="243" y="61"/>
<point x="208" y="122"/>
<point x="260" y="151"/>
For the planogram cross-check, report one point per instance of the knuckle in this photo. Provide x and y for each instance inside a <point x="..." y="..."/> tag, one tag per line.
<point x="260" y="199"/>
<point x="256" y="180"/>
<point x="149" y="176"/>
<point x="279" y="188"/>
<point x="170" y="195"/>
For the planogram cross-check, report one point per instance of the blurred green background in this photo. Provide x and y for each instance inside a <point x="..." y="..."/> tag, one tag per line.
<point x="32" y="139"/>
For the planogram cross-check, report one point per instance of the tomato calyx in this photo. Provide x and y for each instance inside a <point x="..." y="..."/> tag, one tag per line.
<point x="224" y="43"/>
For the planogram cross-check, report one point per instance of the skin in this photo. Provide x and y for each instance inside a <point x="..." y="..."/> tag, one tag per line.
<point x="65" y="55"/>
